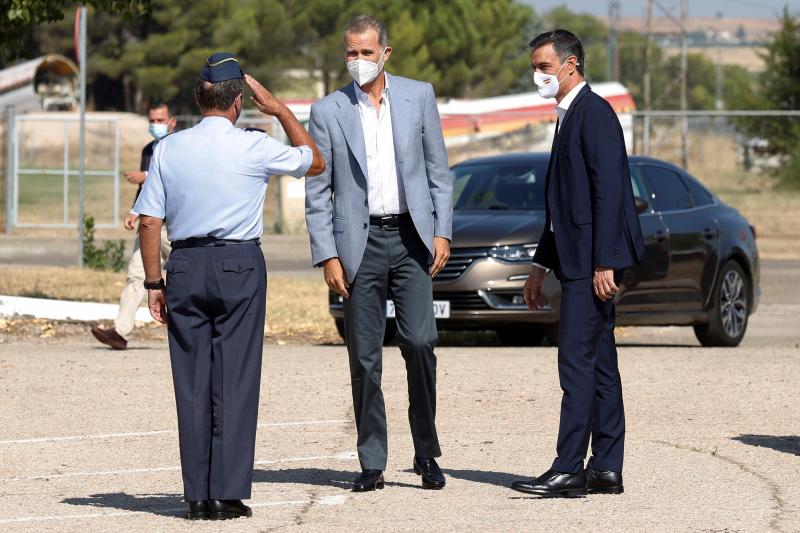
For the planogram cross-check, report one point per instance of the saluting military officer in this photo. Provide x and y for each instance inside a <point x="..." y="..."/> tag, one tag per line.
<point x="209" y="184"/>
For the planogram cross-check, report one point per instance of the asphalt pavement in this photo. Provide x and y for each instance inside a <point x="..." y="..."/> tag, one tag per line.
<point x="88" y="442"/>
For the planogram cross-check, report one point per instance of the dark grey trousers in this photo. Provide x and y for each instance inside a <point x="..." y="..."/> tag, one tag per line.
<point x="395" y="264"/>
<point x="216" y="299"/>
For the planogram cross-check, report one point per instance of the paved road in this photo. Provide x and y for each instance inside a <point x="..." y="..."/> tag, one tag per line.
<point x="87" y="441"/>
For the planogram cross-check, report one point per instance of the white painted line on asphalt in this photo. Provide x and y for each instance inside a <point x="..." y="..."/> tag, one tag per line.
<point x="324" y="500"/>
<point x="343" y="456"/>
<point x="63" y="309"/>
<point x="161" y="432"/>
<point x="333" y="499"/>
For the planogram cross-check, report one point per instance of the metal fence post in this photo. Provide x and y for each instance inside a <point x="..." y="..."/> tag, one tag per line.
<point x="82" y="149"/>
<point x="115" y="221"/>
<point x="10" y="215"/>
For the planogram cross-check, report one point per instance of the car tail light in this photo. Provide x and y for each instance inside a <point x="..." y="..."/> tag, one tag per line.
<point x="753" y="229"/>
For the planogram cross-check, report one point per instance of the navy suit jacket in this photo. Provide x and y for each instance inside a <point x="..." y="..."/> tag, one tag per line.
<point x="589" y="197"/>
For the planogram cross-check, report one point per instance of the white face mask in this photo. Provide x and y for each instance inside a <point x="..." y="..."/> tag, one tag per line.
<point x="364" y="70"/>
<point x="158" y="131"/>
<point x="548" y="84"/>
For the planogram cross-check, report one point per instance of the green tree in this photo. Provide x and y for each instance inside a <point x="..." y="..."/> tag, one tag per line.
<point x="19" y="18"/>
<point x="778" y="89"/>
<point x="780" y="84"/>
<point x="593" y="34"/>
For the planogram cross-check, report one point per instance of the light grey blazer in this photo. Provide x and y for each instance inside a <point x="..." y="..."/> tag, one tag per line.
<point x="337" y="212"/>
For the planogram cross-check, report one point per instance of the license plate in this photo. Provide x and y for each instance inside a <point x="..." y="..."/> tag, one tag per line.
<point x="441" y="309"/>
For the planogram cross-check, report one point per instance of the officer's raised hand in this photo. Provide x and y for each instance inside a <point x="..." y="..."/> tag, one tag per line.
<point x="265" y="101"/>
<point x="296" y="132"/>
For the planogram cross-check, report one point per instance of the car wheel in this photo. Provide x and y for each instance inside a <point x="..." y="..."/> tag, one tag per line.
<point x="551" y="332"/>
<point x="729" y="314"/>
<point x="390" y="332"/>
<point x="340" y="328"/>
<point x="388" y="335"/>
<point x="527" y="335"/>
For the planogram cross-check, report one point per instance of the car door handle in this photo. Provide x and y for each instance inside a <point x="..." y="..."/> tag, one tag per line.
<point x="661" y="236"/>
<point x="710" y="234"/>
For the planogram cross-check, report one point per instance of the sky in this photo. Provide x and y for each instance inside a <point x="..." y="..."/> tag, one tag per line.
<point x="697" y="8"/>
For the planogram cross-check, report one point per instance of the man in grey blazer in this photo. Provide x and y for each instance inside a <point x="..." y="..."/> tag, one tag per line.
<point x="380" y="224"/>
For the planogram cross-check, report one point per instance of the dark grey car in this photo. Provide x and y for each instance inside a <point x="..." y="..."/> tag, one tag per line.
<point x="701" y="265"/>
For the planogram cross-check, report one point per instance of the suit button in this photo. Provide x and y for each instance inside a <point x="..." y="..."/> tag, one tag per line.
<point x="365" y="226"/>
<point x="366" y="203"/>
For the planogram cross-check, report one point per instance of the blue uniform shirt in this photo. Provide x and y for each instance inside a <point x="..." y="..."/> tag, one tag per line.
<point x="211" y="180"/>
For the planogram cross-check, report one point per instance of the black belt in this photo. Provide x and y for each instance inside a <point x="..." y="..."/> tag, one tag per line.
<point x="201" y="242"/>
<point x="390" y="221"/>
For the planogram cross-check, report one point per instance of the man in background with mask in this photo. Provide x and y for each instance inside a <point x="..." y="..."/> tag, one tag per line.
<point x="380" y="224"/>
<point x="591" y="235"/>
<point x="162" y="123"/>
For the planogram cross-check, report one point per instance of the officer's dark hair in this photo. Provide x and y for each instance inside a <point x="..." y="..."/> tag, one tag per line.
<point x="218" y="96"/>
<point x="565" y="43"/>
<point x="159" y="105"/>
<point x="362" y="23"/>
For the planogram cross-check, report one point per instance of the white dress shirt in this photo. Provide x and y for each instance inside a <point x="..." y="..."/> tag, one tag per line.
<point x="561" y="111"/>
<point x="211" y="180"/>
<point x="385" y="194"/>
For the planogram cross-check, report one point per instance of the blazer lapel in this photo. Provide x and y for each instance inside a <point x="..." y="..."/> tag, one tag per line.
<point x="561" y="124"/>
<point x="576" y="102"/>
<point x="349" y="120"/>
<point x="553" y="149"/>
<point x="400" y="106"/>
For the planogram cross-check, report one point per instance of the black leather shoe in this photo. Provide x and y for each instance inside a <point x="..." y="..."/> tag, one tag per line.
<point x="368" y="480"/>
<point x="227" y="509"/>
<point x="553" y="483"/>
<point x="197" y="510"/>
<point x="432" y="477"/>
<point x="603" y="482"/>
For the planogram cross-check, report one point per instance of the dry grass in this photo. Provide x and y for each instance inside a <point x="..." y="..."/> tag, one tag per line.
<point x="296" y="307"/>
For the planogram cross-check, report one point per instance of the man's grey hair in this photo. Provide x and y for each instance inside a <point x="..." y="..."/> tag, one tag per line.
<point x="362" y="23"/>
<point x="217" y="96"/>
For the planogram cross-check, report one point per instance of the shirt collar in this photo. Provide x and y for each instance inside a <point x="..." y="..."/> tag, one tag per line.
<point x="563" y="105"/>
<point x="364" y="97"/>
<point x="215" y="122"/>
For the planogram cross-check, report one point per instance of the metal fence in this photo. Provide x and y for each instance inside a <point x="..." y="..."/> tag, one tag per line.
<point x="699" y="141"/>
<point x="719" y="147"/>
<point x="42" y="173"/>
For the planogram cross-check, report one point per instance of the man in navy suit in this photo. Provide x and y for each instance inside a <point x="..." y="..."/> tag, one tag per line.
<point x="591" y="234"/>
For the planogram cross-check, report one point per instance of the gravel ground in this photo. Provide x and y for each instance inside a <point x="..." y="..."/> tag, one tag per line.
<point x="87" y="439"/>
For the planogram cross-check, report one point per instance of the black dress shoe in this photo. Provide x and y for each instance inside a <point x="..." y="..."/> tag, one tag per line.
<point x="553" y="483"/>
<point x="227" y="509"/>
<point x="368" y="480"/>
<point x="603" y="482"/>
<point x="432" y="477"/>
<point x="197" y="510"/>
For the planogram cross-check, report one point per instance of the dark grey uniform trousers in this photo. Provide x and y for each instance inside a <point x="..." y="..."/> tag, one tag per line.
<point x="395" y="263"/>
<point x="216" y="299"/>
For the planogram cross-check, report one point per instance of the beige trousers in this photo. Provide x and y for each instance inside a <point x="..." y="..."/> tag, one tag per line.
<point x="134" y="292"/>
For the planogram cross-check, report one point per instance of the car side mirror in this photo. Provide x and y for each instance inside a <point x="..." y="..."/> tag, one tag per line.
<point x="641" y="205"/>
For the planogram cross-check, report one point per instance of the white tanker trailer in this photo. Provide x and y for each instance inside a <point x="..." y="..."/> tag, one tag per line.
<point x="47" y="83"/>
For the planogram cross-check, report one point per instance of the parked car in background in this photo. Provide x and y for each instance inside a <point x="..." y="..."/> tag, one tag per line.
<point x="701" y="265"/>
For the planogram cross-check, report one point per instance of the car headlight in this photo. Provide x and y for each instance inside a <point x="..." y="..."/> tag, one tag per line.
<point x="522" y="253"/>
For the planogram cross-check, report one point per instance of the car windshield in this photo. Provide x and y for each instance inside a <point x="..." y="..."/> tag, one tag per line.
<point x="499" y="186"/>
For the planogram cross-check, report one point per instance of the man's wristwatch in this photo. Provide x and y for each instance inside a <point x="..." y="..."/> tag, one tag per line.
<point x="154" y="285"/>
